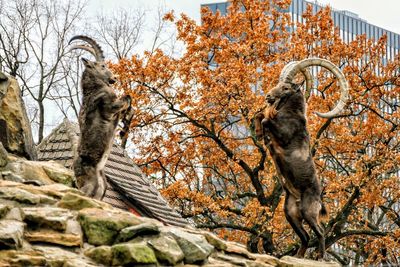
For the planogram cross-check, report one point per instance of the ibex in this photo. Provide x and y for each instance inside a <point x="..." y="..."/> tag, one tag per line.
<point x="283" y="128"/>
<point x="100" y="112"/>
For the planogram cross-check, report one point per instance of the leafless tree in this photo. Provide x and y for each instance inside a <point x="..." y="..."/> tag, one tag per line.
<point x="15" y="25"/>
<point x="33" y="46"/>
<point x="120" y="30"/>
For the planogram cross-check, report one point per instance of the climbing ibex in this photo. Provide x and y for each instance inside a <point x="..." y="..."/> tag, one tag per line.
<point x="283" y="128"/>
<point x="98" y="118"/>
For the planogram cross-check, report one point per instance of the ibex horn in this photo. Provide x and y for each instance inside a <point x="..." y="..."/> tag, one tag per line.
<point x="85" y="47"/>
<point x="306" y="73"/>
<point x="302" y="65"/>
<point x="95" y="47"/>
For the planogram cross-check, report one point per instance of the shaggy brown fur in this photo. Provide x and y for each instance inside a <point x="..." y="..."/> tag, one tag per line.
<point x="284" y="131"/>
<point x="98" y="118"/>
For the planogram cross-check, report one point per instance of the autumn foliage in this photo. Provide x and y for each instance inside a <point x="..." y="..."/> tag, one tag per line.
<point x="193" y="130"/>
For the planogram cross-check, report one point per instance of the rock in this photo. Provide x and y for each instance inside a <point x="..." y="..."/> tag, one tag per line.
<point x="101" y="227"/>
<point x="73" y="227"/>
<point x="77" y="202"/>
<point x="11" y="234"/>
<point x="166" y="249"/>
<point x="58" y="173"/>
<point x="238" y="249"/>
<point x="53" y="190"/>
<point x="3" y="156"/>
<point x="194" y="246"/>
<point x="15" y="130"/>
<point x="19" y="195"/>
<point x="51" y="217"/>
<point x="79" y="263"/>
<point x="234" y="260"/>
<point x="29" y="170"/>
<point x="50" y="236"/>
<point x="132" y="253"/>
<point x="131" y="232"/>
<point x="21" y="258"/>
<point x="59" y="257"/>
<point x="257" y="264"/>
<point x="15" y="214"/>
<point x="4" y="209"/>
<point x="214" y="240"/>
<point x="265" y="259"/>
<point x="101" y="254"/>
<point x="4" y="83"/>
<point x="10" y="176"/>
<point x="288" y="261"/>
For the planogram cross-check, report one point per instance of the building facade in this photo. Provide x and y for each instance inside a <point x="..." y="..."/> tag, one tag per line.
<point x="349" y="23"/>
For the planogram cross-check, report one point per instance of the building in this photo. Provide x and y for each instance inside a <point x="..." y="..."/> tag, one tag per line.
<point x="127" y="187"/>
<point x="349" y="23"/>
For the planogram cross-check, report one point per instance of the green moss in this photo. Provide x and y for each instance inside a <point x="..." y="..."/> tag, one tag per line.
<point x="127" y="253"/>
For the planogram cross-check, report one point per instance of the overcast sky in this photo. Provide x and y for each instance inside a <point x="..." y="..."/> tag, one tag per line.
<point x="382" y="13"/>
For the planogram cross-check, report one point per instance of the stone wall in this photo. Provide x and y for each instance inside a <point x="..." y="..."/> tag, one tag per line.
<point x="44" y="223"/>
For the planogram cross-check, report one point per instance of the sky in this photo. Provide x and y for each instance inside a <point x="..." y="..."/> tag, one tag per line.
<point x="382" y="13"/>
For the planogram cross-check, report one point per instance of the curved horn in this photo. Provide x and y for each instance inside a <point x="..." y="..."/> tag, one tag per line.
<point x="98" y="52"/>
<point x="302" y="65"/>
<point x="84" y="47"/>
<point x="306" y="73"/>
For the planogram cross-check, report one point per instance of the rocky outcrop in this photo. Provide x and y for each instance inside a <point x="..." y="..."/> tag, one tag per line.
<point x="15" y="130"/>
<point x="43" y="223"/>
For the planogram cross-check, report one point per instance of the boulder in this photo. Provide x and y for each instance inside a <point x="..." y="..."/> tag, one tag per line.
<point x="21" y="258"/>
<point x="11" y="234"/>
<point x="132" y="253"/>
<point x="101" y="227"/>
<point x="75" y="201"/>
<point x="131" y="232"/>
<point x="53" y="237"/>
<point x="166" y="249"/>
<point x="194" y="246"/>
<point x="49" y="217"/>
<point x="101" y="254"/>
<point x="15" y="129"/>
<point x="44" y="172"/>
<point x="288" y="261"/>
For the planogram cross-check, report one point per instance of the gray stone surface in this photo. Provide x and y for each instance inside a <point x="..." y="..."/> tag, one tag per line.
<point x="142" y="229"/>
<point x="194" y="246"/>
<point x="50" y="217"/>
<point x="166" y="249"/>
<point x="11" y="234"/>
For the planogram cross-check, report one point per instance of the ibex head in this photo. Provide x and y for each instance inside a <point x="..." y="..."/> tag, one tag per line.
<point x="97" y="68"/>
<point x="286" y="87"/>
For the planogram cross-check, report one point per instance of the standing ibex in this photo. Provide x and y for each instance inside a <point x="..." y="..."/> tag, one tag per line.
<point x="283" y="127"/>
<point x="98" y="118"/>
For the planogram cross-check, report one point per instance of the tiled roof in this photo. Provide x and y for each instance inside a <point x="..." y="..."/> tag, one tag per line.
<point x="127" y="186"/>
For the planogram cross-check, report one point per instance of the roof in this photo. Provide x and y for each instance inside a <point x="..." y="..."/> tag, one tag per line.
<point x="127" y="186"/>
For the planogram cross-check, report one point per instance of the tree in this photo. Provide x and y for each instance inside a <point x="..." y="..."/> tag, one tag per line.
<point x="193" y="130"/>
<point x="33" y="45"/>
<point x="120" y="30"/>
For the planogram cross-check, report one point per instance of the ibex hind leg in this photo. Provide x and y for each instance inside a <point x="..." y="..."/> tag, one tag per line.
<point x="294" y="217"/>
<point x="89" y="181"/>
<point x="310" y="209"/>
